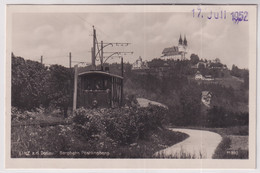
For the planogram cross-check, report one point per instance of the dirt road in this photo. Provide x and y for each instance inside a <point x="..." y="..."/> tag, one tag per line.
<point x="199" y="144"/>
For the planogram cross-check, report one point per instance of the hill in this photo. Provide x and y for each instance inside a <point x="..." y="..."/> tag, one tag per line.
<point x="169" y="82"/>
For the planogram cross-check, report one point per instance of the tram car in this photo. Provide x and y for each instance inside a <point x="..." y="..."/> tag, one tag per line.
<point x="99" y="89"/>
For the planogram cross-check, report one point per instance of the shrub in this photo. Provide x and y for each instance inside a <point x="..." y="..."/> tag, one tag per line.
<point x="18" y="115"/>
<point x="31" y="141"/>
<point x="122" y="125"/>
<point x="29" y="79"/>
<point x="220" y="117"/>
<point x="87" y="123"/>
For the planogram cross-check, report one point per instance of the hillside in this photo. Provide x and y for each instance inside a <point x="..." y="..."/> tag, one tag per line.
<point x="172" y="83"/>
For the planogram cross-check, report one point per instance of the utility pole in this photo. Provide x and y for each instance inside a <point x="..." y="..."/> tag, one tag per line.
<point x="101" y="58"/>
<point x="94" y="50"/>
<point x="75" y="88"/>
<point x="101" y="50"/>
<point x="122" y="81"/>
<point x="122" y="67"/>
<point x="70" y="59"/>
<point x="41" y="59"/>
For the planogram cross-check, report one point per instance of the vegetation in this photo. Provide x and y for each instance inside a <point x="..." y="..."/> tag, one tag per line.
<point x="241" y="73"/>
<point x="28" y="84"/>
<point x="34" y="85"/>
<point x="117" y="133"/>
<point x="194" y="59"/>
<point x="38" y="91"/>
<point x="225" y="151"/>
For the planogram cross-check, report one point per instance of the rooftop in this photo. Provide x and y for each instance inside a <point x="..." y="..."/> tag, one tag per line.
<point x="170" y="51"/>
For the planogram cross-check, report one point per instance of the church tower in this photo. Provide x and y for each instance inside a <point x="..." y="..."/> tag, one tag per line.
<point x="180" y="40"/>
<point x="183" y="44"/>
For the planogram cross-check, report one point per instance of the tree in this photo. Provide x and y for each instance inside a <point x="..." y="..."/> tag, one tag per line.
<point x="190" y="105"/>
<point x="61" y="87"/>
<point x="29" y="83"/>
<point x="217" y="117"/>
<point x="201" y="66"/>
<point x="194" y="59"/>
<point x="246" y="79"/>
<point x="217" y="60"/>
<point x="235" y="71"/>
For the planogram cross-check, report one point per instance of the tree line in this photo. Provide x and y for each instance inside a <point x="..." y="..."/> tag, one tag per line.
<point x="35" y="85"/>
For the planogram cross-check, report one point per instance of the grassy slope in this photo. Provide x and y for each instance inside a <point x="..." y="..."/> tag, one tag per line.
<point x="232" y="81"/>
<point x="156" y="141"/>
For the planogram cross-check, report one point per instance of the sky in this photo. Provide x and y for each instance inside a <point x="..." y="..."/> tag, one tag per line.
<point x="54" y="35"/>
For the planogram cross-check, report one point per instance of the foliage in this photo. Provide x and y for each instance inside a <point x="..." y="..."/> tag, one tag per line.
<point x="64" y="142"/>
<point x="190" y="105"/>
<point x="37" y="141"/>
<point x="88" y="123"/>
<point x="35" y="85"/>
<point x="122" y="125"/>
<point x="29" y="80"/>
<point x="60" y="87"/>
<point x="245" y="76"/>
<point x="223" y="152"/>
<point x="17" y="115"/>
<point x="235" y="71"/>
<point x="155" y="142"/>
<point x="194" y="59"/>
<point x="183" y="96"/>
<point x="219" y="117"/>
<point x="241" y="73"/>
<point x="118" y="132"/>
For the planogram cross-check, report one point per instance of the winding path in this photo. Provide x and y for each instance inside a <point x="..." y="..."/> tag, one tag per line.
<point x="199" y="144"/>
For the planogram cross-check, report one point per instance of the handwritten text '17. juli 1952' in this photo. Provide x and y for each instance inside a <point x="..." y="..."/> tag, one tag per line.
<point x="237" y="16"/>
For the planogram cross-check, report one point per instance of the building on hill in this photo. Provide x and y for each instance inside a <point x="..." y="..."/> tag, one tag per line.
<point x="176" y="52"/>
<point x="139" y="64"/>
<point x="198" y="76"/>
<point x="202" y="64"/>
<point x="206" y="98"/>
<point x="208" y="78"/>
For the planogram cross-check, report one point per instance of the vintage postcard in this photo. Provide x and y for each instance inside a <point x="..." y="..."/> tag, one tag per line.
<point x="131" y="87"/>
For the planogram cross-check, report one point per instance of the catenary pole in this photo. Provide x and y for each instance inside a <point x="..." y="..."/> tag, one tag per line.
<point x="75" y="88"/>
<point x="70" y="59"/>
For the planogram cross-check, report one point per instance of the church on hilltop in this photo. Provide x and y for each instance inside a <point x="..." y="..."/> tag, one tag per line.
<point x="176" y="52"/>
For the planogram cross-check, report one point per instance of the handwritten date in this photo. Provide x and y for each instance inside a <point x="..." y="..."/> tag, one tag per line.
<point x="236" y="16"/>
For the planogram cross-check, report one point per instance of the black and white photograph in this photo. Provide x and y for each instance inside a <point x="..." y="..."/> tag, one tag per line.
<point x="166" y="83"/>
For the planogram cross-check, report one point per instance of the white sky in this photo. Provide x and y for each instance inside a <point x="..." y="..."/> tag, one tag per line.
<point x="54" y="35"/>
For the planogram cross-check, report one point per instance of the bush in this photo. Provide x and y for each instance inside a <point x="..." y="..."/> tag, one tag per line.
<point x="35" y="85"/>
<point x="17" y="115"/>
<point x="122" y="125"/>
<point x="87" y="123"/>
<point x="29" y="79"/>
<point x="220" y="117"/>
